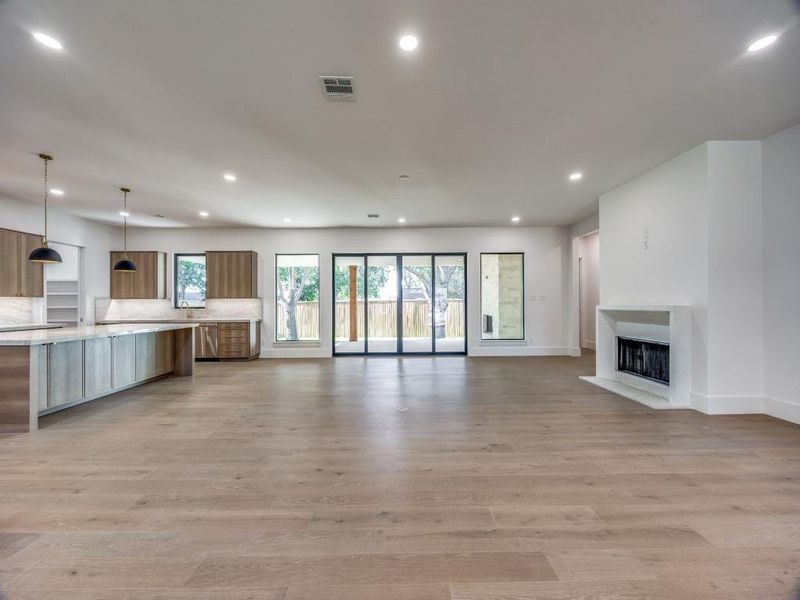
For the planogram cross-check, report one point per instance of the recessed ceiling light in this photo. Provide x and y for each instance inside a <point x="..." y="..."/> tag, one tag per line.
<point x="763" y="43"/>
<point x="401" y="220"/>
<point x="229" y="177"/>
<point x="404" y="177"/>
<point x="515" y="219"/>
<point x="287" y="220"/>
<point x="203" y="213"/>
<point x="57" y="191"/>
<point x="408" y="43"/>
<point x="47" y="40"/>
<point x="123" y="213"/>
<point x="575" y="176"/>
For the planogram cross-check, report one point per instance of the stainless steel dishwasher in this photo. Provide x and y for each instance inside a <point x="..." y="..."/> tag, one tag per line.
<point x="206" y="341"/>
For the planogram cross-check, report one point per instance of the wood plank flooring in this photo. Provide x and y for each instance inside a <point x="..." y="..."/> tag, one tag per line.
<point x="507" y="479"/>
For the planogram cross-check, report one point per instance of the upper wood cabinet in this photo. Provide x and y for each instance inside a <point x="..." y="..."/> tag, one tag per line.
<point x="149" y="281"/>
<point x="18" y="275"/>
<point x="231" y="274"/>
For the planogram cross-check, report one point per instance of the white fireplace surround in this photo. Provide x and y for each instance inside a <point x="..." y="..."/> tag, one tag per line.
<point x="670" y="324"/>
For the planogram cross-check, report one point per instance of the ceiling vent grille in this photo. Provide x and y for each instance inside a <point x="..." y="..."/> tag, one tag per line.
<point x="337" y="87"/>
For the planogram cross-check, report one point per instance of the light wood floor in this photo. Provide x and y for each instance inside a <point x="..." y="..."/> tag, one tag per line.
<point x="506" y="479"/>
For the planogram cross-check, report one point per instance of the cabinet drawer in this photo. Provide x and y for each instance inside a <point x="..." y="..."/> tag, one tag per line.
<point x="226" y="327"/>
<point x="234" y="350"/>
<point x="233" y="346"/>
<point x="234" y="336"/>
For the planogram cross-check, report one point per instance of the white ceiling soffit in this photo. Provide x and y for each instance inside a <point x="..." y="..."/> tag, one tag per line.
<point x="488" y="116"/>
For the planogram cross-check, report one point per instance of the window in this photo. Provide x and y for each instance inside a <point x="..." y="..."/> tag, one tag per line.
<point x="502" y="296"/>
<point x="190" y="280"/>
<point x="296" y="297"/>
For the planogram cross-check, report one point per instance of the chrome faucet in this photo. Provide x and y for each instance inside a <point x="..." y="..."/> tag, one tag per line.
<point x="187" y="312"/>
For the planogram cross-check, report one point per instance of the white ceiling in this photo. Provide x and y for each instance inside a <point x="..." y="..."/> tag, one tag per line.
<point x="499" y="103"/>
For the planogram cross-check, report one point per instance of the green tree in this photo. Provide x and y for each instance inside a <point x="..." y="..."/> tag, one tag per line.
<point x="296" y="284"/>
<point x="378" y="277"/>
<point x="191" y="276"/>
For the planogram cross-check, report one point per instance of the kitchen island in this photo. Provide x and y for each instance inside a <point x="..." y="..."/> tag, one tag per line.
<point x="44" y="371"/>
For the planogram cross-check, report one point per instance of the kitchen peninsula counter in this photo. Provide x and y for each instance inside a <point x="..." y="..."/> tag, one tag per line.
<point x="44" y="371"/>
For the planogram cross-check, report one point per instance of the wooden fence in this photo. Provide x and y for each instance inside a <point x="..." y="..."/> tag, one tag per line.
<point x="382" y="319"/>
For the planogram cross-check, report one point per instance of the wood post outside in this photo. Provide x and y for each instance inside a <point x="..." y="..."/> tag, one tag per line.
<point x="353" y="303"/>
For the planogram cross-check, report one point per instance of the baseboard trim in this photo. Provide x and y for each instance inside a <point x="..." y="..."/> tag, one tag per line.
<point x="306" y="351"/>
<point x="491" y="350"/>
<point x="727" y="405"/>
<point x="782" y="409"/>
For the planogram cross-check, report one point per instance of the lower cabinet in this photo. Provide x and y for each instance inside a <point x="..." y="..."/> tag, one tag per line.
<point x="165" y="352"/>
<point x="65" y="373"/>
<point x="238" y="340"/>
<point x="145" y="356"/>
<point x="124" y="353"/>
<point x="155" y="354"/>
<point x="98" y="367"/>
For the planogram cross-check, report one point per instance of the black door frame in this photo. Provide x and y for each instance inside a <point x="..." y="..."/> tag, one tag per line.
<point x="399" y="256"/>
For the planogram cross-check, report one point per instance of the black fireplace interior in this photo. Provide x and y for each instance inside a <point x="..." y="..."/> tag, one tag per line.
<point x="643" y="358"/>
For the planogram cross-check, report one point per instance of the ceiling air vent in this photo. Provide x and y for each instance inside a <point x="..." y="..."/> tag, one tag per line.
<point x="337" y="87"/>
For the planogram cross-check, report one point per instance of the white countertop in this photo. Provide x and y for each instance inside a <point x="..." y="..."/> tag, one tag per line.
<point x="189" y="320"/>
<point x="71" y="334"/>
<point x="26" y="326"/>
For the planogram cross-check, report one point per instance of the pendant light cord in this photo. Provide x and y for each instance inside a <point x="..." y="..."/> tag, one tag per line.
<point x="45" y="200"/>
<point x="125" y="222"/>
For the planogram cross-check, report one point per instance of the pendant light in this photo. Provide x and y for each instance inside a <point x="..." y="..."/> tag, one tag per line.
<point x="125" y="265"/>
<point x="45" y="254"/>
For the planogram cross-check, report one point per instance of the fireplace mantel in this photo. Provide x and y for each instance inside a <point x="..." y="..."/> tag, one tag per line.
<point x="664" y="323"/>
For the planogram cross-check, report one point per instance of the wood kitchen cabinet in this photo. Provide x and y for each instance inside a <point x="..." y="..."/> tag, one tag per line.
<point x="239" y="340"/>
<point x="149" y="281"/>
<point x="18" y="275"/>
<point x="231" y="274"/>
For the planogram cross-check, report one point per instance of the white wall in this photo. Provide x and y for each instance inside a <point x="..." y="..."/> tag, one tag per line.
<point x="735" y="258"/>
<point x="547" y="258"/>
<point x="97" y="239"/>
<point x="653" y="243"/>
<point x="781" y="273"/>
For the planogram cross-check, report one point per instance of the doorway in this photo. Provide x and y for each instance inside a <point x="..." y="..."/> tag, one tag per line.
<point x="588" y="288"/>
<point x="412" y="303"/>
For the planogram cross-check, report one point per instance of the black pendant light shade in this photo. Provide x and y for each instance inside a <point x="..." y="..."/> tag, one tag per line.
<point x="125" y="265"/>
<point x="44" y="254"/>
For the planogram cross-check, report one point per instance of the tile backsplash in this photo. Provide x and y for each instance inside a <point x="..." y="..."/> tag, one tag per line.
<point x="239" y="308"/>
<point x="17" y="311"/>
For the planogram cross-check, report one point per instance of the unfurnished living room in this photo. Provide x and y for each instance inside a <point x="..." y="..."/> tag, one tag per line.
<point x="399" y="300"/>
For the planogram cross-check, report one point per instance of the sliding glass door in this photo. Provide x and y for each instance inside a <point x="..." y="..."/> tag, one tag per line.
<point x="399" y="304"/>
<point x="382" y="298"/>
<point x="349" y="315"/>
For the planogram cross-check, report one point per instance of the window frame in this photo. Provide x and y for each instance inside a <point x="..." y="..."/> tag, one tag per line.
<point x="481" y="313"/>
<point x="175" y="279"/>
<point x="308" y="342"/>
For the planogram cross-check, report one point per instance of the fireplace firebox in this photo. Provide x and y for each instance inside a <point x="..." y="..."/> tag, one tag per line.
<point x="643" y="358"/>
